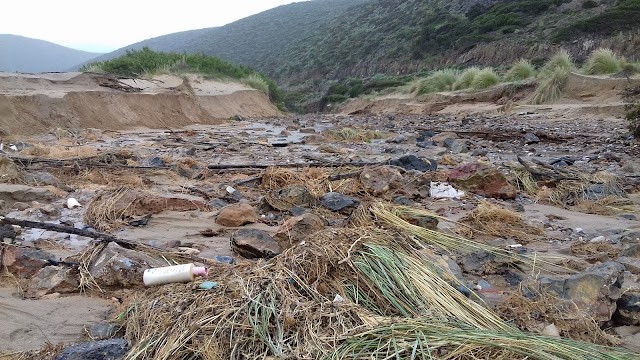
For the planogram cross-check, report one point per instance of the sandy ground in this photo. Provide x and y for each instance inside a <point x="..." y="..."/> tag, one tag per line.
<point x="29" y="324"/>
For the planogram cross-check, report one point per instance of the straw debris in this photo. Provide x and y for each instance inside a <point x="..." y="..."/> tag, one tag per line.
<point x="497" y="221"/>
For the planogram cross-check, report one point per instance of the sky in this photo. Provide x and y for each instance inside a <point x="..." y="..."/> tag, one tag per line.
<point x="104" y="26"/>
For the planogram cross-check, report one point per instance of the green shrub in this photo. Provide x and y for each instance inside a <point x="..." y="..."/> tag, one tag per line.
<point x="441" y="80"/>
<point x="602" y="61"/>
<point x="521" y="70"/>
<point x="633" y="116"/>
<point x="561" y="60"/>
<point x="466" y="78"/>
<point x="257" y="82"/>
<point x="589" y="4"/>
<point x="550" y="89"/>
<point x="485" y="78"/>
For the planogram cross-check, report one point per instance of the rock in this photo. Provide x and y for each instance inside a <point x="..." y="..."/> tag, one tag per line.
<point x="286" y="198"/>
<point x="482" y="180"/>
<point x="412" y="162"/>
<point x="518" y="207"/>
<point x="628" y="312"/>
<point x="297" y="211"/>
<point x="122" y="268"/>
<point x="24" y="193"/>
<point x="402" y="200"/>
<point x="101" y="331"/>
<point x="43" y="178"/>
<point x="479" y="152"/>
<point x="631" y="217"/>
<point x="457" y="146"/>
<point x="330" y="149"/>
<point x="530" y="138"/>
<point x="378" y="180"/>
<point x="631" y="235"/>
<point x="50" y="210"/>
<point x="594" y="291"/>
<point x="20" y="206"/>
<point x="339" y="202"/>
<point x="598" y="239"/>
<point x="314" y="139"/>
<point x="484" y="263"/>
<point x="217" y="203"/>
<point x="53" y="279"/>
<point x="484" y="284"/>
<point x="112" y="349"/>
<point x="8" y="170"/>
<point x="427" y="222"/>
<point x="224" y="259"/>
<point x="155" y="161"/>
<point x="631" y="251"/>
<point x="440" y="138"/>
<point x="298" y="229"/>
<point x="24" y="262"/>
<point x="253" y="244"/>
<point x="551" y="330"/>
<point x="7" y="234"/>
<point x="237" y="215"/>
<point x="631" y="264"/>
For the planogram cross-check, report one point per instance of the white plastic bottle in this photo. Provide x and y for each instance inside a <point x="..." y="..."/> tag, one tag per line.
<point x="173" y="274"/>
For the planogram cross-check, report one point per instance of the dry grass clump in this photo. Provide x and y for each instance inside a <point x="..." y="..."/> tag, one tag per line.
<point x="484" y="79"/>
<point x="497" y="221"/>
<point x="109" y="177"/>
<point x="524" y="181"/>
<point x="610" y="205"/>
<point x="595" y="248"/>
<point x="532" y="314"/>
<point x="592" y="188"/>
<point x="392" y="302"/>
<point x="316" y="180"/>
<point x="109" y="209"/>
<point x="562" y="60"/>
<point x="441" y="80"/>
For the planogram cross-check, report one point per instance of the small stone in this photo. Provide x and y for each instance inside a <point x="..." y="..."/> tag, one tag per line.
<point x="551" y="330"/>
<point x="288" y="197"/>
<point x="53" y="279"/>
<point x="237" y="215"/>
<point x="598" y="239"/>
<point x="484" y="284"/>
<point x="51" y="296"/>
<point x="440" y="138"/>
<point x="412" y="162"/>
<point x="379" y="180"/>
<point x="338" y="202"/>
<point x="224" y="259"/>
<point x="631" y="217"/>
<point x="297" y="211"/>
<point x="628" y="312"/>
<point x="518" y="207"/>
<point x="530" y="138"/>
<point x="254" y="243"/>
<point x="49" y="210"/>
<point x="102" y="331"/>
<point x="20" y="206"/>
<point x="298" y="229"/>
<point x="217" y="203"/>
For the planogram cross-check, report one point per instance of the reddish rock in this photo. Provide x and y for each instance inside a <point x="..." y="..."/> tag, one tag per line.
<point x="380" y="179"/>
<point x="237" y="215"/>
<point x="298" y="229"/>
<point x="53" y="279"/>
<point x="24" y="262"/>
<point x="483" y="180"/>
<point x="254" y="243"/>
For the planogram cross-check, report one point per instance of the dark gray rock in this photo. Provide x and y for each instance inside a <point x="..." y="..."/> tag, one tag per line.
<point x="42" y="178"/>
<point x="120" y="267"/>
<point x="594" y="291"/>
<point x="297" y="211"/>
<point x="339" y="202"/>
<point x="412" y="162"/>
<point x="631" y="251"/>
<point x="457" y="146"/>
<point x="155" y="161"/>
<point x="479" y="152"/>
<point x="254" y="244"/>
<point x="628" y="312"/>
<point x="530" y="138"/>
<point x="425" y="144"/>
<point x="24" y="262"/>
<point x="286" y="198"/>
<point x="484" y="263"/>
<point x="402" y="200"/>
<point x="113" y="349"/>
<point x="631" y="217"/>
<point x="217" y="203"/>
<point x="7" y="232"/>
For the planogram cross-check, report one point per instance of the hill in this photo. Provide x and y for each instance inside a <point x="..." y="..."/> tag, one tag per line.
<point x="23" y="54"/>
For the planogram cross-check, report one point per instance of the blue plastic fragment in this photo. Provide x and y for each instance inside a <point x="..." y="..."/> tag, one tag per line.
<point x="208" y="285"/>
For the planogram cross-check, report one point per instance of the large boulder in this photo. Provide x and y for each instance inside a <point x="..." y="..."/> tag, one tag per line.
<point x="380" y="179"/>
<point x="297" y="229"/>
<point x="120" y="267"/>
<point x="53" y="279"/>
<point x="24" y="262"/>
<point x="482" y="179"/>
<point x="254" y="243"/>
<point x="286" y="198"/>
<point x="237" y="215"/>
<point x="339" y="202"/>
<point x="111" y="349"/>
<point x="628" y="312"/>
<point x="594" y="291"/>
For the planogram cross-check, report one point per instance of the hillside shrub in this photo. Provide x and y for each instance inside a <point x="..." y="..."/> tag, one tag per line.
<point x="561" y="60"/>
<point x="550" y="89"/>
<point x="521" y="70"/>
<point x="589" y="4"/>
<point x="441" y="80"/>
<point x="484" y="79"/>
<point x="466" y="78"/>
<point x="602" y="61"/>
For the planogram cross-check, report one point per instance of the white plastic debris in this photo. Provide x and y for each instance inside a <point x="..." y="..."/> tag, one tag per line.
<point x="72" y="203"/>
<point x="13" y="147"/>
<point x="338" y="298"/>
<point x="551" y="330"/>
<point x="598" y="239"/>
<point x="514" y="246"/>
<point x="444" y="190"/>
<point x="230" y="190"/>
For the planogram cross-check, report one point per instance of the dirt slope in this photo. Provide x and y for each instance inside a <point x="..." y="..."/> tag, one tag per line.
<point x="31" y="104"/>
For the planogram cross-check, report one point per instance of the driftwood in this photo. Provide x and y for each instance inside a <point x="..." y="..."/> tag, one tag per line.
<point x="552" y="174"/>
<point x="102" y="237"/>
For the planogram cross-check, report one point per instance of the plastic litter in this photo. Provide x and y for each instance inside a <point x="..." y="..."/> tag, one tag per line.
<point x="230" y="190"/>
<point x="444" y="190"/>
<point x="173" y="274"/>
<point x="338" y="298"/>
<point x="208" y="285"/>
<point x="72" y="203"/>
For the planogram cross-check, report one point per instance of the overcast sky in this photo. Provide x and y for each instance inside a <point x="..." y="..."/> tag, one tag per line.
<point x="103" y="26"/>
